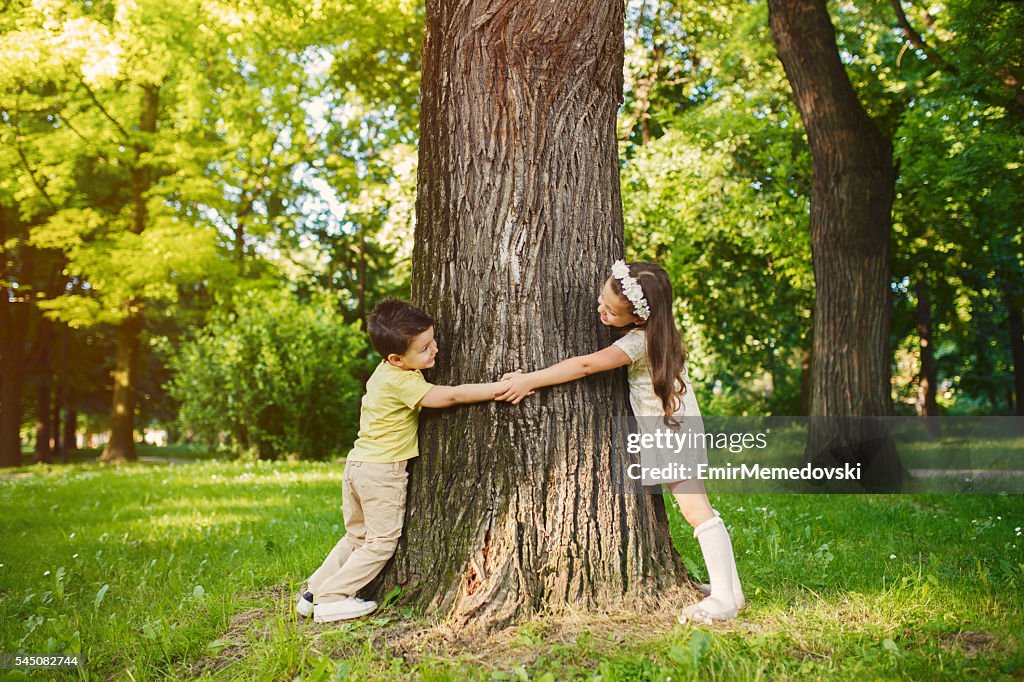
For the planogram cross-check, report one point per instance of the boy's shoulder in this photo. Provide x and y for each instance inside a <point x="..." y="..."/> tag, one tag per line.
<point x="386" y="373"/>
<point x="388" y="381"/>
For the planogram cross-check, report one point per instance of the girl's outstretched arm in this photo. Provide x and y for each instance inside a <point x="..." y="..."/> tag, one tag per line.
<point x="521" y="385"/>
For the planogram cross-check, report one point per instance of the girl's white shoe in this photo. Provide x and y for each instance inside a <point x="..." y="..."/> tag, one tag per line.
<point x="706" y="611"/>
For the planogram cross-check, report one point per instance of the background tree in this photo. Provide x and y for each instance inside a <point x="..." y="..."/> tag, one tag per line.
<point x="851" y="203"/>
<point x="850" y="224"/>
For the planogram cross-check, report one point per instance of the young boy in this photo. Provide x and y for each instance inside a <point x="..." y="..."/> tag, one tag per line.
<point x="375" y="479"/>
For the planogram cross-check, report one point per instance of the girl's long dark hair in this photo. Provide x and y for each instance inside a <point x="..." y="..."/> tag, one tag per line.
<point x="666" y="355"/>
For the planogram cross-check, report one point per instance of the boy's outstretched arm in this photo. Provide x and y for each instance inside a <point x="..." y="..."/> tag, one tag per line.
<point x="521" y="385"/>
<point x="446" y="396"/>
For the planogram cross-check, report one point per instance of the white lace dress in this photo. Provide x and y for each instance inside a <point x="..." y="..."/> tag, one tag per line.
<point x="648" y="410"/>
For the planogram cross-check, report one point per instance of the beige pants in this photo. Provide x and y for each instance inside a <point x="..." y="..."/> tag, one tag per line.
<point x="373" y="502"/>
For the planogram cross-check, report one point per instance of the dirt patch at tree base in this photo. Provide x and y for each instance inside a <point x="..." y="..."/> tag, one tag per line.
<point x="415" y="639"/>
<point x="233" y="646"/>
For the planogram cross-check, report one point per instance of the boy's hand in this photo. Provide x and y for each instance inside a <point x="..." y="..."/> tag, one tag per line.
<point x="518" y="387"/>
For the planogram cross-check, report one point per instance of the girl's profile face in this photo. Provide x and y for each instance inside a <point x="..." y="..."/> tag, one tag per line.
<point x="615" y="310"/>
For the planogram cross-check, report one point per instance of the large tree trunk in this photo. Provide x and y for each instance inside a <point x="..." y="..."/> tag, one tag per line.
<point x="515" y="509"/>
<point x="121" y="446"/>
<point x="850" y="224"/>
<point x="928" y="377"/>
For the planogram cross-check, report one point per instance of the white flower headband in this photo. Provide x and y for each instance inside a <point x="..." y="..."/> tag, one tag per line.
<point x="631" y="289"/>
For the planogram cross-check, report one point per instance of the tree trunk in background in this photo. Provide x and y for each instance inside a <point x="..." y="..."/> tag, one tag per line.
<point x="11" y="393"/>
<point x="121" y="446"/>
<point x="41" y="449"/>
<point x="850" y="224"/>
<point x="927" y="406"/>
<point x="516" y="509"/>
<point x="61" y="407"/>
<point x="361" y="272"/>
<point x="1016" y="324"/>
<point x="44" y="394"/>
<point x="14" y="323"/>
<point x="56" y="444"/>
<point x="70" y="432"/>
<point x="806" y="381"/>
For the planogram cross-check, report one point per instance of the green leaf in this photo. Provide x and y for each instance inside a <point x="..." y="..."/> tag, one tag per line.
<point x="391" y="596"/>
<point x="219" y="644"/>
<point x="100" y="594"/>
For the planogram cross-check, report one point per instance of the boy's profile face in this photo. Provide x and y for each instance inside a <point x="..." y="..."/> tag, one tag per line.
<point x="420" y="353"/>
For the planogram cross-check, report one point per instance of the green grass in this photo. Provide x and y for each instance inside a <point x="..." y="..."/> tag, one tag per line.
<point x="144" y="451"/>
<point x="157" y="571"/>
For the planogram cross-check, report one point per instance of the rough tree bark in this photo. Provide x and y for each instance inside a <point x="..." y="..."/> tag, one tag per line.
<point x="516" y="509"/>
<point x="850" y="223"/>
<point x="121" y="446"/>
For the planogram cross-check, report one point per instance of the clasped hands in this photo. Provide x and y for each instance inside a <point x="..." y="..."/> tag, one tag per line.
<point x="514" y="387"/>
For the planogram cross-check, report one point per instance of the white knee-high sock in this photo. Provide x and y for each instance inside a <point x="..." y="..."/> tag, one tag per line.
<point x="717" y="549"/>
<point x="737" y="589"/>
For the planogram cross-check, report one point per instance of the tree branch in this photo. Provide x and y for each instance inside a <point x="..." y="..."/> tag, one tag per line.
<point x="917" y="40"/>
<point x="67" y="122"/>
<point x="1009" y="79"/>
<point x="92" y="96"/>
<point x="24" y="158"/>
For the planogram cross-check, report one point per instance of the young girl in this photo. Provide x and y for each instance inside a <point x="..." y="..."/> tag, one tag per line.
<point x="637" y="298"/>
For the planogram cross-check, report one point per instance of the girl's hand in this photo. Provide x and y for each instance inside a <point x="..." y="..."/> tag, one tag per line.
<point x="519" y="387"/>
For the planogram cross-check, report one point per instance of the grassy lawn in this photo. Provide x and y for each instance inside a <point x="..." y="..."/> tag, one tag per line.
<point x="146" y="452"/>
<point x="158" y="571"/>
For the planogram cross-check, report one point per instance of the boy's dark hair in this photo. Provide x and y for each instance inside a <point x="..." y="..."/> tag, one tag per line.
<point x="393" y="325"/>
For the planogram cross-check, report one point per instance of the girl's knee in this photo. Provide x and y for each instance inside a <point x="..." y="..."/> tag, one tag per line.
<point x="696" y="507"/>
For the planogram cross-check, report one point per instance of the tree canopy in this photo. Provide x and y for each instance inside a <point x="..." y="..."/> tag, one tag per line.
<point x="168" y="161"/>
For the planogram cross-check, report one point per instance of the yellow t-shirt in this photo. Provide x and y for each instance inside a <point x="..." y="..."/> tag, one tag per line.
<point x="389" y="415"/>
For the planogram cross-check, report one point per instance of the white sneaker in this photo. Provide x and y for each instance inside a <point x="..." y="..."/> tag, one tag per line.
<point x="304" y="604"/>
<point x="346" y="609"/>
<point x="706" y="611"/>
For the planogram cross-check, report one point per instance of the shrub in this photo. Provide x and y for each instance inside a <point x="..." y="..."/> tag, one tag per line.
<point x="274" y="377"/>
